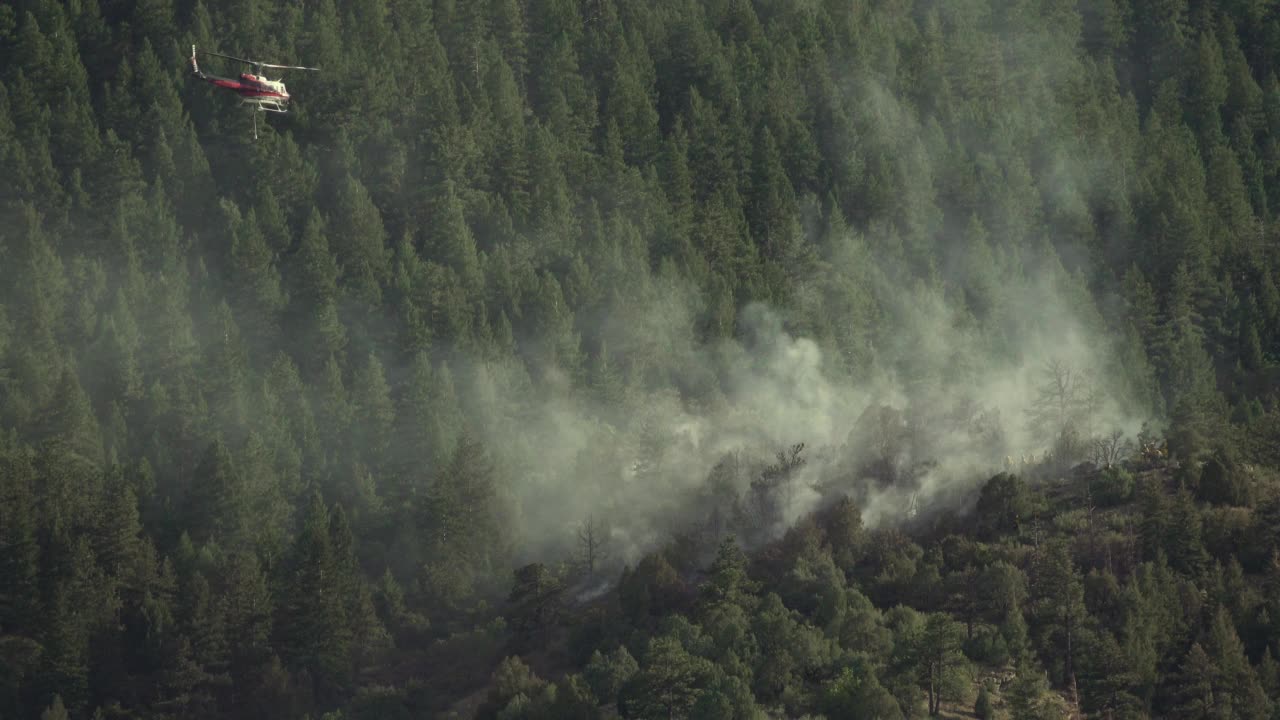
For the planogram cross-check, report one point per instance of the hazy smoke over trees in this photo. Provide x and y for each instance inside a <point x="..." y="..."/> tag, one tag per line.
<point x="668" y="431"/>
<point x="905" y="366"/>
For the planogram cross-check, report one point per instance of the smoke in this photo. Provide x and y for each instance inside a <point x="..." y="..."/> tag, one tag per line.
<point x="910" y="374"/>
<point x="943" y="404"/>
<point x="909" y="378"/>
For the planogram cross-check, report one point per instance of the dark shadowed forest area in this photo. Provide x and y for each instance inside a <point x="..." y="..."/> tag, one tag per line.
<point x="714" y="359"/>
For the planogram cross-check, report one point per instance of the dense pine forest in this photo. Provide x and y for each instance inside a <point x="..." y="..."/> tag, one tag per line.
<point x="642" y="359"/>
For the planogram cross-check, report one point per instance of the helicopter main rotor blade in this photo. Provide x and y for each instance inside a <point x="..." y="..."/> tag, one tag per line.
<point x="231" y="57"/>
<point x="286" y="67"/>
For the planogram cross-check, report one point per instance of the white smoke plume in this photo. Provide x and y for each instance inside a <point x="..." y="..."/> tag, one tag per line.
<point x="942" y="410"/>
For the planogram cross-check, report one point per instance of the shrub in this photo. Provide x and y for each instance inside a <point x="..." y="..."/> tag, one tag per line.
<point x="1112" y="486"/>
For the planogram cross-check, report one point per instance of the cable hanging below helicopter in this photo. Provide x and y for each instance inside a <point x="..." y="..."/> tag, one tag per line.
<point x="254" y="88"/>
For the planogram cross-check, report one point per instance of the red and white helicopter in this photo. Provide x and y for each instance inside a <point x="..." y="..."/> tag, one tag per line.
<point x="253" y="88"/>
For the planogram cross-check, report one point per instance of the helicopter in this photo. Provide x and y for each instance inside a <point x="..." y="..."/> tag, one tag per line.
<point x="253" y="88"/>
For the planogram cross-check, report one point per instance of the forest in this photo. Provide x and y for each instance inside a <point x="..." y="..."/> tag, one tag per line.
<point x="720" y="359"/>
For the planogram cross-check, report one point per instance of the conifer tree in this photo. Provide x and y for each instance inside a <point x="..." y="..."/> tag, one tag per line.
<point x="217" y="506"/>
<point x="373" y="412"/>
<point x="311" y="628"/>
<point x="368" y="636"/>
<point x="246" y="611"/>
<point x="70" y="420"/>
<point x="453" y="242"/>
<point x="19" y="549"/>
<point x="268" y="494"/>
<point x="359" y="242"/>
<point x="427" y="419"/>
<point x="319" y="332"/>
<point x="121" y="545"/>
<point x="204" y="628"/>
<point x="258" y="295"/>
<point x="461" y="514"/>
<point x="511" y="170"/>
<point x="1184" y="543"/>
<point x="1207" y="90"/>
<point x="1058" y="598"/>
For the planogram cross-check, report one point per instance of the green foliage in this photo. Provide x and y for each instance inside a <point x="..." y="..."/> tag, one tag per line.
<point x="1112" y="486"/>
<point x="983" y="707"/>
<point x="669" y="681"/>
<point x="535" y="600"/>
<point x="1222" y="481"/>
<point x="858" y="693"/>
<point x="608" y="674"/>
<point x="1004" y="504"/>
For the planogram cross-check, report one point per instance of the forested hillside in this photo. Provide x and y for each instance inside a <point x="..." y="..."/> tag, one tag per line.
<point x="641" y="358"/>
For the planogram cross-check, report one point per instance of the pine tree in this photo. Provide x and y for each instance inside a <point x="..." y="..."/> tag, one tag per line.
<point x="245" y="607"/>
<point x="555" y="343"/>
<point x="465" y="536"/>
<point x="1058" y="600"/>
<point x="227" y="369"/>
<point x="534" y="600"/>
<point x="39" y="184"/>
<point x="1183" y="542"/>
<point x="426" y="427"/>
<point x="71" y="423"/>
<point x="510" y="162"/>
<point x="1196" y="695"/>
<point x="452" y="241"/>
<point x="120" y="540"/>
<point x="333" y="415"/>
<point x="373" y="412"/>
<point x="983" y="707"/>
<point x="368" y="636"/>
<point x="19" y="550"/>
<point x="1106" y="680"/>
<point x="1237" y="684"/>
<point x="312" y="630"/>
<point x="259" y="298"/>
<point x="36" y="296"/>
<point x="119" y="372"/>
<point x="268" y="491"/>
<point x="1171" y="215"/>
<point x="728" y="581"/>
<point x="939" y="655"/>
<point x="772" y="203"/>
<point x="318" y="332"/>
<point x="678" y="178"/>
<point x="1029" y="695"/>
<point x="56" y="710"/>
<point x="1207" y="91"/>
<point x="180" y="692"/>
<point x="217" y="505"/>
<point x="64" y="665"/>
<point x="359" y="242"/>
<point x="204" y="627"/>
<point x="629" y="102"/>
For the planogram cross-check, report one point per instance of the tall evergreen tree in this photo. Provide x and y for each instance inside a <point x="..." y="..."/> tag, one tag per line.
<point x="312" y="629"/>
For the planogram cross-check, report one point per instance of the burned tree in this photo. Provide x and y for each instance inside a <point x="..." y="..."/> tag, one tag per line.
<point x="1066" y="400"/>
<point x="593" y="539"/>
<point x="1110" y="450"/>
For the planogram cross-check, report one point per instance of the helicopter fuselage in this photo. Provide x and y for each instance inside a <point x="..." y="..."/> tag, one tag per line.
<point x="254" y="89"/>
